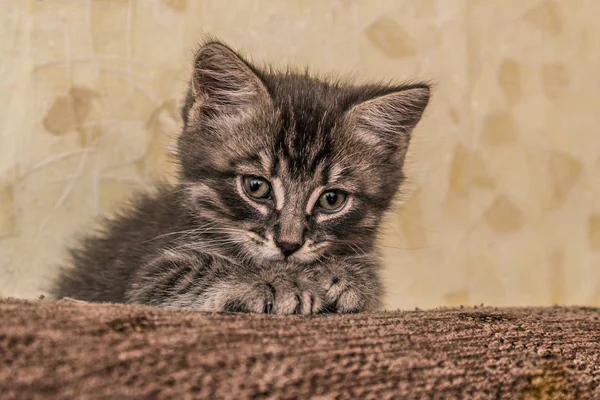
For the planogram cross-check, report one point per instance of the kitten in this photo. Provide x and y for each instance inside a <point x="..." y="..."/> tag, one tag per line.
<point x="283" y="182"/>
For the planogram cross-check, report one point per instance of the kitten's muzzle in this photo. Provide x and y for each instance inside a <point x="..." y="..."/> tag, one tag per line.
<point x="288" y="248"/>
<point x="290" y="231"/>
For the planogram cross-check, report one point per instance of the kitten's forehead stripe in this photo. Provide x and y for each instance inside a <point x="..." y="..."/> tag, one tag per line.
<point x="325" y="174"/>
<point x="335" y="172"/>
<point x="266" y="162"/>
<point x="279" y="193"/>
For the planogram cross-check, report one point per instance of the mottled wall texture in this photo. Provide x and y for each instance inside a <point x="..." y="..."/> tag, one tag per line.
<point x="503" y="201"/>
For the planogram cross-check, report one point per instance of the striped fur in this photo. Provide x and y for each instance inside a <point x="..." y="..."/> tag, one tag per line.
<point x="207" y="244"/>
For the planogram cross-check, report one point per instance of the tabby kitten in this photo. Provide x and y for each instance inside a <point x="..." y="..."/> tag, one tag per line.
<point x="283" y="182"/>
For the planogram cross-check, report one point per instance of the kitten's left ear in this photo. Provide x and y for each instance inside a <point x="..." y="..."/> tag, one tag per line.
<point x="223" y="82"/>
<point x="389" y="119"/>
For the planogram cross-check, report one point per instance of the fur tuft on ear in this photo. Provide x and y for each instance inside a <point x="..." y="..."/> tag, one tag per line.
<point x="222" y="82"/>
<point x="390" y="118"/>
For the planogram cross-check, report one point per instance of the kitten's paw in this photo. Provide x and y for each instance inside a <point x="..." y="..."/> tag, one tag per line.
<point x="279" y="296"/>
<point x="341" y="297"/>
<point x="349" y="289"/>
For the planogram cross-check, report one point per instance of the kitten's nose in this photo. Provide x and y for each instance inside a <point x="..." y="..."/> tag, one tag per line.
<point x="288" y="248"/>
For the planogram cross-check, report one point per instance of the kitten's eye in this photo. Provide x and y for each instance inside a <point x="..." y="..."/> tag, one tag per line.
<point x="256" y="187"/>
<point x="332" y="201"/>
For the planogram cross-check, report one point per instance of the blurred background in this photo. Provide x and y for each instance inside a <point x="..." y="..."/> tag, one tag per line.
<point x="502" y="205"/>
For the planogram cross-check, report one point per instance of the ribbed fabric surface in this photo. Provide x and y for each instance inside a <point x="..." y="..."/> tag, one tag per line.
<point x="69" y="349"/>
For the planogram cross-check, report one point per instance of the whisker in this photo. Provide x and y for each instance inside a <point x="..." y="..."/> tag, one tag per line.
<point x="184" y="233"/>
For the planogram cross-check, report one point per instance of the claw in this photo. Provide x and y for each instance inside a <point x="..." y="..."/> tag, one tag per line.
<point x="268" y="307"/>
<point x="298" y="309"/>
<point x="269" y="303"/>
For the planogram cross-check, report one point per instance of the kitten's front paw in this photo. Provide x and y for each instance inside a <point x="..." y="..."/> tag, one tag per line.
<point x="349" y="289"/>
<point x="342" y="297"/>
<point x="277" y="296"/>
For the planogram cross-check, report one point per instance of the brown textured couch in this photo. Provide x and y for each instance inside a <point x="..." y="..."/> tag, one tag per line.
<point x="68" y="349"/>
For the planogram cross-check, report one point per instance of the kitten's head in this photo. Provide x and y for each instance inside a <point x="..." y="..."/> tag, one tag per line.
<point x="285" y="166"/>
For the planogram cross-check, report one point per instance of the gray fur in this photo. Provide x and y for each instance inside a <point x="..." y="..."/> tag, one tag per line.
<point x="206" y="244"/>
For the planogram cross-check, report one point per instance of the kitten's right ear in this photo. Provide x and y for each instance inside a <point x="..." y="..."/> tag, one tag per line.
<point x="387" y="121"/>
<point x="222" y="82"/>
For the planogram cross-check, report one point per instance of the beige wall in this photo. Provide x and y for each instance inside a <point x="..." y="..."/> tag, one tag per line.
<point x="503" y="201"/>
